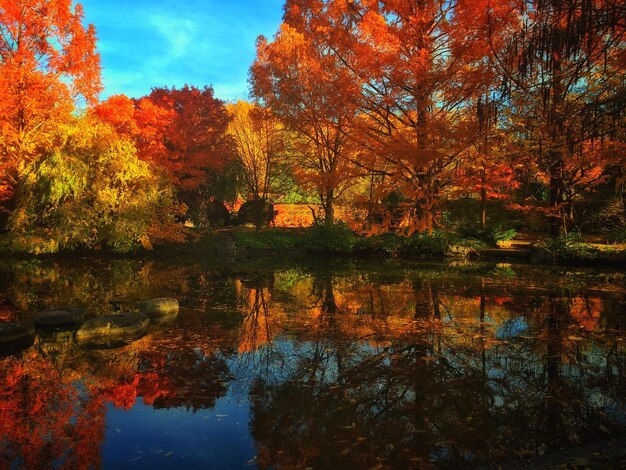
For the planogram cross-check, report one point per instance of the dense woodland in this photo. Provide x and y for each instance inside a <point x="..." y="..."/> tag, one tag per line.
<point x="476" y="118"/>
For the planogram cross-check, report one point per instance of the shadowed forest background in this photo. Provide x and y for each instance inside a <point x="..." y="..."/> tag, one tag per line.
<point x="467" y="121"/>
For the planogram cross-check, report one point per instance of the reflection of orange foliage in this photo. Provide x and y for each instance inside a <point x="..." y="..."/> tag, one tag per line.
<point x="46" y="417"/>
<point x="122" y="394"/>
<point x="372" y="313"/>
<point x="586" y="312"/>
<point x="259" y="324"/>
<point x="151" y="387"/>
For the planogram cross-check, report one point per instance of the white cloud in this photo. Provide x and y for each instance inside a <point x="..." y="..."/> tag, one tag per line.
<point x="179" y="33"/>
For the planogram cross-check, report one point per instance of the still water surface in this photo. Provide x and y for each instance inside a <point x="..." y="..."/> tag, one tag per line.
<point x="345" y="364"/>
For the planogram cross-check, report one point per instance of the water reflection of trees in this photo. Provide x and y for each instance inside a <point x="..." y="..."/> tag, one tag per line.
<point x="98" y="285"/>
<point x="53" y="403"/>
<point x="349" y="368"/>
<point x="434" y="382"/>
<point x="46" y="416"/>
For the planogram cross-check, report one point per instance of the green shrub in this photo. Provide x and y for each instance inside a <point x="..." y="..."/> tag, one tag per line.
<point x="567" y="247"/>
<point x="335" y="238"/>
<point x="390" y="244"/>
<point x="603" y="217"/>
<point x="490" y="235"/>
<point x="617" y="235"/>
<point x="424" y="244"/>
<point x="270" y="240"/>
<point x="468" y="243"/>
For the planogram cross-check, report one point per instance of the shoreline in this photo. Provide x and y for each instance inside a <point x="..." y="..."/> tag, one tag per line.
<point x="295" y="243"/>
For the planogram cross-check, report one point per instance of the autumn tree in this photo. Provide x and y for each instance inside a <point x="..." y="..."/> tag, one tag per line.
<point x="313" y="95"/>
<point x="92" y="191"/>
<point x="140" y="120"/>
<point x="486" y="171"/>
<point x="183" y="133"/>
<point x="197" y="151"/>
<point x="195" y="138"/>
<point x="564" y="64"/>
<point x="48" y="62"/>
<point x="412" y="65"/>
<point x="259" y="142"/>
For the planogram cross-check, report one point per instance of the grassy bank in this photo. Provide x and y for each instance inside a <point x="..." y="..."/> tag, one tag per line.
<point x="319" y="240"/>
<point x="573" y="249"/>
<point x="339" y="240"/>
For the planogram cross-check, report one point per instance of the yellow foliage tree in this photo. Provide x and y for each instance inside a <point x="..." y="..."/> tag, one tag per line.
<point x="92" y="191"/>
<point x="259" y="142"/>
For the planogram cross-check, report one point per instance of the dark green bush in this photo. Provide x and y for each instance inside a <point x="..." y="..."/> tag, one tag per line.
<point x="268" y="240"/>
<point x="568" y="247"/>
<point x="602" y="217"/>
<point x="468" y="243"/>
<point x="391" y="244"/>
<point x="464" y="214"/>
<point x="424" y="244"/>
<point x="490" y="235"/>
<point x="334" y="238"/>
<point x="617" y="235"/>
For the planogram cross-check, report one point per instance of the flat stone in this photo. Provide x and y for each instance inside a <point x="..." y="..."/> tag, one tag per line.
<point x="160" y="306"/>
<point x="112" y="329"/>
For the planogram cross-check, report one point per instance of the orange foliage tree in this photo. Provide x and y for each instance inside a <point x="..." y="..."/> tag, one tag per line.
<point x="485" y="169"/>
<point x="409" y="67"/>
<point x="48" y="61"/>
<point x="310" y="91"/>
<point x="140" y="120"/>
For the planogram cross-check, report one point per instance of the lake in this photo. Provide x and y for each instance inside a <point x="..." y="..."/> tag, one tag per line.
<point x="320" y="364"/>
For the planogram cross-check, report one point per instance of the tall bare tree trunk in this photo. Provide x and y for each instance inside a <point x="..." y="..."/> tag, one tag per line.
<point x="329" y="206"/>
<point x="483" y="199"/>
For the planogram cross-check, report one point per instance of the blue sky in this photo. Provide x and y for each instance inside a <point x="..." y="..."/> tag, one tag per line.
<point x="146" y="43"/>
